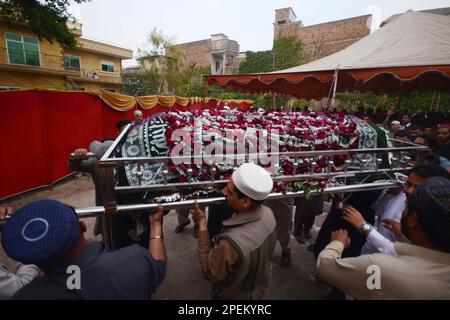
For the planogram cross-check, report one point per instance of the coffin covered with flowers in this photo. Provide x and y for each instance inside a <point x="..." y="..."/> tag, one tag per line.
<point x="219" y="137"/>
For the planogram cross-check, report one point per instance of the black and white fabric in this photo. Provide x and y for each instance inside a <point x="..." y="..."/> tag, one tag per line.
<point x="367" y="140"/>
<point x="146" y="140"/>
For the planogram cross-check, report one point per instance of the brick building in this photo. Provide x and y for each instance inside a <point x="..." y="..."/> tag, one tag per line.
<point x="319" y="40"/>
<point x="219" y="52"/>
<point x="322" y="39"/>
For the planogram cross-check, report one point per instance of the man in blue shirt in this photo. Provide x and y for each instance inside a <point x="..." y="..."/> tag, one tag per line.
<point x="47" y="233"/>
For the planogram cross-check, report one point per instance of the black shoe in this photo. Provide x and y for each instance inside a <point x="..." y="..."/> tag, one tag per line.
<point x="307" y="234"/>
<point x="300" y="238"/>
<point x="285" y="257"/>
<point x="181" y="227"/>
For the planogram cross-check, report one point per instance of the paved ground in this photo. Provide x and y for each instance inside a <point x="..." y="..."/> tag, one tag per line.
<point x="184" y="279"/>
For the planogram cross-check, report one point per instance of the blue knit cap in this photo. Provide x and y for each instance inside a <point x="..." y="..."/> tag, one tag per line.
<point x="40" y="232"/>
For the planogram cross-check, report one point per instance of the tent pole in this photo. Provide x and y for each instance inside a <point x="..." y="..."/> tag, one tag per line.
<point x="325" y="104"/>
<point x="432" y="101"/>
<point x="438" y="99"/>
<point x="400" y="101"/>
<point x="335" y="80"/>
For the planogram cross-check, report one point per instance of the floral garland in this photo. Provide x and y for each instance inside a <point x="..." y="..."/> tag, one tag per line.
<point x="296" y="132"/>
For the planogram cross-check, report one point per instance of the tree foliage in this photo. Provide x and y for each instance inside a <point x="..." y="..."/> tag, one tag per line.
<point x="156" y="44"/>
<point x="162" y="66"/>
<point x="193" y="85"/>
<point x="163" y="70"/>
<point x="257" y="62"/>
<point x="144" y="83"/>
<point x="172" y="72"/>
<point x="47" y="18"/>
<point x="410" y="102"/>
<point x="288" y="53"/>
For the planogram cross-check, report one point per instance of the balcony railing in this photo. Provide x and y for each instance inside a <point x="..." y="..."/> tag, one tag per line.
<point x="97" y="75"/>
<point x="225" y="45"/>
<point x="30" y="58"/>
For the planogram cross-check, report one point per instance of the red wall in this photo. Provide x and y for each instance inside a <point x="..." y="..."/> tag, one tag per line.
<point x="40" y="129"/>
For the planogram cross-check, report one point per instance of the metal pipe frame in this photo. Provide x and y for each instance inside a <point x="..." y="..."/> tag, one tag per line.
<point x="106" y="160"/>
<point x="141" y="208"/>
<point x="116" y="142"/>
<point x="218" y="183"/>
<point x="109" y="159"/>
<point x="302" y="154"/>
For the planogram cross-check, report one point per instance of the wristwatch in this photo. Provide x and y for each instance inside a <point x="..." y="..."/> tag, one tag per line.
<point x="366" y="228"/>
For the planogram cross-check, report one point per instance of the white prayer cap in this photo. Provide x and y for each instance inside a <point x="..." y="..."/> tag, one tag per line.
<point x="253" y="181"/>
<point x="395" y="123"/>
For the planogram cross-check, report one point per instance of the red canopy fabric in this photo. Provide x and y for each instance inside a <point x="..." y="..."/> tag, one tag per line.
<point x="317" y="84"/>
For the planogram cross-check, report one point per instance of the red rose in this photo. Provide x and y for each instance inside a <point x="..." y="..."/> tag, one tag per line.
<point x="277" y="188"/>
<point x="168" y="132"/>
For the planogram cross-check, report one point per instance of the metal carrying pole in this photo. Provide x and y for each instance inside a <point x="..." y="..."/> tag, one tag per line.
<point x="292" y="178"/>
<point x="141" y="208"/>
<point x="299" y="154"/>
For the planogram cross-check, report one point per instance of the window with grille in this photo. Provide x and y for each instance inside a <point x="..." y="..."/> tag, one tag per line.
<point x="72" y="62"/>
<point x="107" y="66"/>
<point x="22" y="49"/>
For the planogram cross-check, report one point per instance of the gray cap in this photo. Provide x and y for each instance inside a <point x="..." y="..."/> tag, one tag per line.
<point x="99" y="148"/>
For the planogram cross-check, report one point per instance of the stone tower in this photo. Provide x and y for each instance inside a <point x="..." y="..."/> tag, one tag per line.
<point x="223" y="52"/>
<point x="285" y="17"/>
